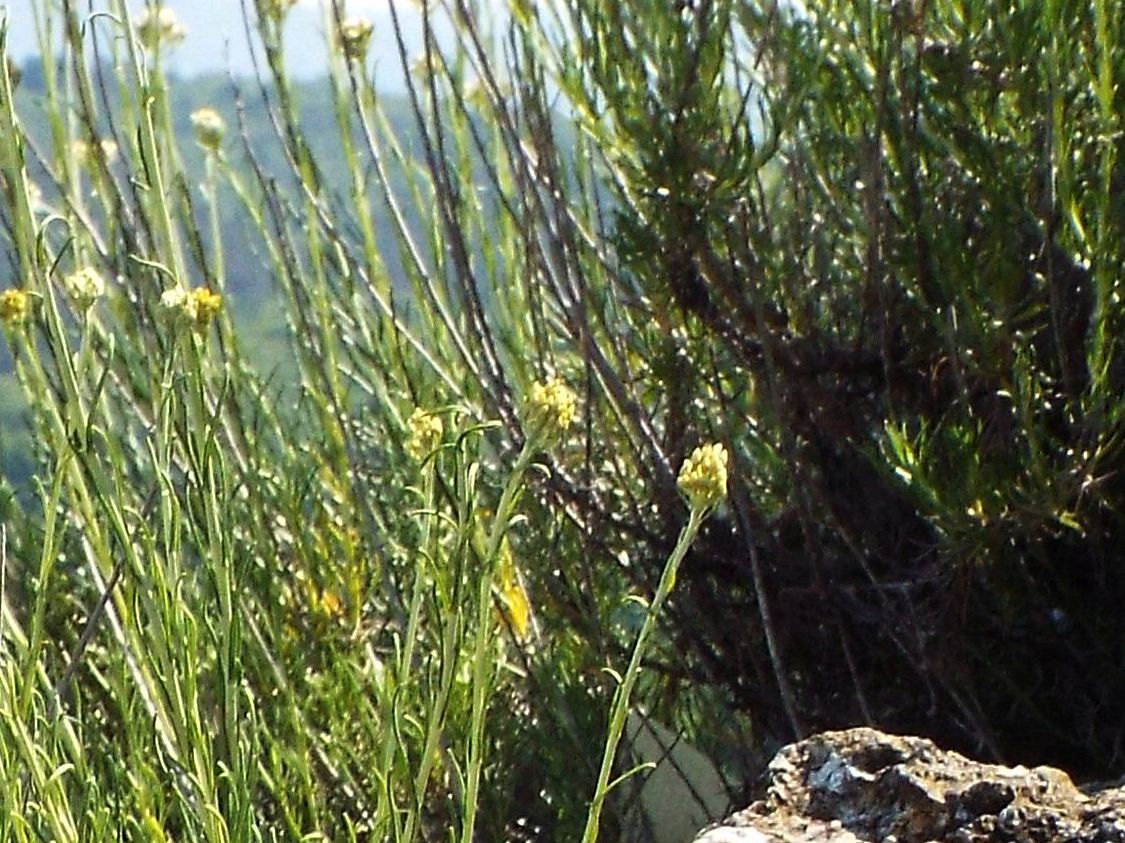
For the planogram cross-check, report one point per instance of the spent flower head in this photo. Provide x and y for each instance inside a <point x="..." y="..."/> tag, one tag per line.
<point x="703" y="478"/>
<point x="157" y="26"/>
<point x="426" y="430"/>
<point x="355" y="37"/>
<point x="552" y="407"/>
<point x="278" y="9"/>
<point x="85" y="286"/>
<point x="209" y="128"/>
<point x="15" y="307"/>
<point x="177" y="301"/>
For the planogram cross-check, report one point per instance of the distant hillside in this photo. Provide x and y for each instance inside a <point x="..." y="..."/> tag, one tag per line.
<point x="251" y="293"/>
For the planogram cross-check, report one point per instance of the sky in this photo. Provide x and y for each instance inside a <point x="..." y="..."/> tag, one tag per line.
<point x="216" y="39"/>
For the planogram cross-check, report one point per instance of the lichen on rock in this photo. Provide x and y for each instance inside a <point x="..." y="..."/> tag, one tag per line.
<point x="863" y="785"/>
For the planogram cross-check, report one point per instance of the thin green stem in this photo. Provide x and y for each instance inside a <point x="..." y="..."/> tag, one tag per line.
<point x="483" y="676"/>
<point x="619" y="709"/>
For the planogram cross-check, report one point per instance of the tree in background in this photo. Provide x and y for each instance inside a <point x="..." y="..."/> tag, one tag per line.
<point x="885" y="245"/>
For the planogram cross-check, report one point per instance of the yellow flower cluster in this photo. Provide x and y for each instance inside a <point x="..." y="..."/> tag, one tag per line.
<point x="703" y="478"/>
<point x="327" y="603"/>
<point x="198" y="306"/>
<point x="208" y="304"/>
<point x="15" y="307"/>
<point x="355" y="37"/>
<point x="85" y="286"/>
<point x="552" y="407"/>
<point x="209" y="128"/>
<point x="158" y="25"/>
<point x="426" y="431"/>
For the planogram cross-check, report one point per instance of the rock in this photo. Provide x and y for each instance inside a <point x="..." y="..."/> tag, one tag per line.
<point x="863" y="785"/>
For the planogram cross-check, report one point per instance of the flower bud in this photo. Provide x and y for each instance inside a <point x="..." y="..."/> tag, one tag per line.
<point x="85" y="286"/>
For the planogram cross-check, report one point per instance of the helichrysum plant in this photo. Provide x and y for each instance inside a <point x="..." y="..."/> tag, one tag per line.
<point x="278" y="9"/>
<point x="196" y="308"/>
<point x="206" y="304"/>
<point x="703" y="481"/>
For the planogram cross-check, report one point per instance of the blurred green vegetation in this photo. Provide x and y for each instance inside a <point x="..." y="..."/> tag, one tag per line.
<point x="254" y="299"/>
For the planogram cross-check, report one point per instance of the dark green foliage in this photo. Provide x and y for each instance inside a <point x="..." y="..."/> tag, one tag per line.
<point x="903" y="289"/>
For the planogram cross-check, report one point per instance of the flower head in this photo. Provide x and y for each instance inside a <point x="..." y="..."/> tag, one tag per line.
<point x="15" y="307"/>
<point x="209" y="128"/>
<point x="85" y="286"/>
<point x="355" y="37"/>
<point x="552" y="407"/>
<point x="426" y="430"/>
<point x="703" y="478"/>
<point x="196" y="307"/>
<point x="207" y="305"/>
<point x="158" y="25"/>
<point x="327" y="603"/>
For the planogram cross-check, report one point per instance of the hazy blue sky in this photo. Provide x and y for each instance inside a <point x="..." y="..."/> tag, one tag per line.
<point x="216" y="39"/>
